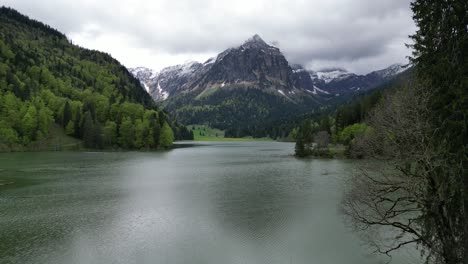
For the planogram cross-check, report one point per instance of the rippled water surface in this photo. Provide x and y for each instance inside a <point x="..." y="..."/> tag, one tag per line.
<point x="233" y="202"/>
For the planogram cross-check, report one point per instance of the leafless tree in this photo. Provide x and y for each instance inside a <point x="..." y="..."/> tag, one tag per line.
<point x="387" y="199"/>
<point x="322" y="139"/>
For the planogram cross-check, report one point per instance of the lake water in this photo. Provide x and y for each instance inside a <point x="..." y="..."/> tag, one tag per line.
<point x="219" y="202"/>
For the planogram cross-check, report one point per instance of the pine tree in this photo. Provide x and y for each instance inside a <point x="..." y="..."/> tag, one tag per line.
<point x="299" y="148"/>
<point x="98" y="137"/>
<point x="441" y="59"/>
<point x="127" y="133"/>
<point x="77" y="125"/>
<point x="110" y="133"/>
<point x="156" y="131"/>
<point x="67" y="115"/>
<point x="140" y="134"/>
<point x="29" y="124"/>
<point x="88" y="131"/>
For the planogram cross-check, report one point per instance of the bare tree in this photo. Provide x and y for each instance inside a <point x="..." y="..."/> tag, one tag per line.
<point x="322" y="139"/>
<point x="387" y="199"/>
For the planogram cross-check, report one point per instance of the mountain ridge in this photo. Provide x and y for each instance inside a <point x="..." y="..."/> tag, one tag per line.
<point x="245" y="87"/>
<point x="326" y="81"/>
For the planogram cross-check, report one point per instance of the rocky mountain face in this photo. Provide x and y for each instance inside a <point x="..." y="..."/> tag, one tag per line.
<point x="145" y="75"/>
<point x="210" y="92"/>
<point x="244" y="67"/>
<point x="254" y="64"/>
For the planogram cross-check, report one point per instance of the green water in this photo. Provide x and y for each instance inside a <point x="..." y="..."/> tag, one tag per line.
<point x="224" y="202"/>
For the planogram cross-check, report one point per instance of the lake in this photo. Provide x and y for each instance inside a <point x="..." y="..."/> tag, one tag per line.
<point x="213" y="202"/>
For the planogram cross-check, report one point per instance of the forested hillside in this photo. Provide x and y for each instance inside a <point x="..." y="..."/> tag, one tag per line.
<point x="46" y="81"/>
<point x="239" y="112"/>
<point x="346" y="120"/>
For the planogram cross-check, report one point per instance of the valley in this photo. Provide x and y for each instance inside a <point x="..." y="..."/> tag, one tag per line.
<point x="246" y="89"/>
<point x="310" y="145"/>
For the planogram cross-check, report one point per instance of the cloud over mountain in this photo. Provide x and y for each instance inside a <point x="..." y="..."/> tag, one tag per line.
<point x="359" y="35"/>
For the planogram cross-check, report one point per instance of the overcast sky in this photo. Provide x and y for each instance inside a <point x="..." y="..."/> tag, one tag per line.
<point x="359" y="35"/>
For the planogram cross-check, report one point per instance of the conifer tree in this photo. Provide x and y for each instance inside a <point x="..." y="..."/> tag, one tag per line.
<point x="88" y="131"/>
<point x="67" y="115"/>
<point x="441" y="59"/>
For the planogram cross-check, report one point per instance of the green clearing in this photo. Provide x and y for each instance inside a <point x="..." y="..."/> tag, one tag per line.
<point x="206" y="133"/>
<point x="56" y="140"/>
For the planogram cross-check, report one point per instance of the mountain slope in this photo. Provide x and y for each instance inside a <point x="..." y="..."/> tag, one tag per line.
<point x="44" y="79"/>
<point x="237" y="91"/>
<point x="247" y="87"/>
<point x="240" y="91"/>
<point x="341" y="82"/>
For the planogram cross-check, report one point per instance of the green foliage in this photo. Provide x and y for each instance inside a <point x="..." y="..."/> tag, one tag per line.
<point x="202" y="132"/>
<point x="29" y="124"/>
<point x="70" y="128"/>
<point x="141" y="133"/>
<point x="357" y="110"/>
<point x="110" y="133"/>
<point x="7" y="134"/>
<point x="293" y="134"/>
<point x="349" y="133"/>
<point x="45" y="79"/>
<point x="127" y="133"/>
<point x="167" y="135"/>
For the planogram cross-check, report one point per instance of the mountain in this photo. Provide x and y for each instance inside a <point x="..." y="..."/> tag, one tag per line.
<point x="240" y="91"/>
<point x="145" y="76"/>
<point x="341" y="82"/>
<point x="47" y="83"/>
<point x="329" y="81"/>
<point x="254" y="64"/>
<point x="245" y="88"/>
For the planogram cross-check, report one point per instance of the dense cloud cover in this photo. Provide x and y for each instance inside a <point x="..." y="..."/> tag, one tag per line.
<point x="360" y="35"/>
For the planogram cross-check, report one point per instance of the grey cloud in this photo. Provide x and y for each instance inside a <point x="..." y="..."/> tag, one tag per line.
<point x="340" y="31"/>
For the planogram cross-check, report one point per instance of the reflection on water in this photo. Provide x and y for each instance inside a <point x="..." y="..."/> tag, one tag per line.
<point x="226" y="202"/>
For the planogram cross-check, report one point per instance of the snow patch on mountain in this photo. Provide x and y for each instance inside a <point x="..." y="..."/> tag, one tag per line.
<point x="390" y="71"/>
<point x="143" y="73"/>
<point x="316" y="90"/>
<point x="181" y="69"/>
<point x="328" y="75"/>
<point x="164" y="94"/>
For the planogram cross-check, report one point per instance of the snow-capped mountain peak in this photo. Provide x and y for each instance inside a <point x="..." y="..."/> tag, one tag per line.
<point x="256" y="64"/>
<point x="256" y="42"/>
<point x="255" y="39"/>
<point x="331" y="74"/>
<point x="390" y="71"/>
<point x="145" y="75"/>
<point x="182" y="69"/>
<point x="143" y="72"/>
